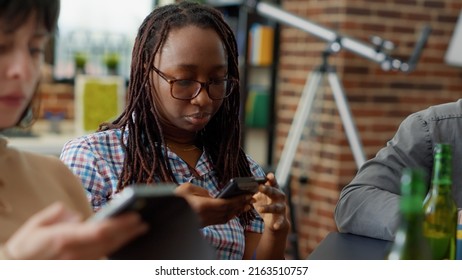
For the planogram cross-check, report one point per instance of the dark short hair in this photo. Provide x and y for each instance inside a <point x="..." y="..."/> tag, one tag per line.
<point x="13" y="13"/>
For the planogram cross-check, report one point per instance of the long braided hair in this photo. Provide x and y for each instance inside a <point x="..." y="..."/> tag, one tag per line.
<point x="145" y="158"/>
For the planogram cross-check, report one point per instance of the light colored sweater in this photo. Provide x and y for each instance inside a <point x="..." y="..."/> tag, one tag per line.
<point x="30" y="182"/>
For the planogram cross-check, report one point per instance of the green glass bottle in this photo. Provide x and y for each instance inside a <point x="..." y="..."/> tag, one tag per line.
<point x="410" y="242"/>
<point x="440" y="210"/>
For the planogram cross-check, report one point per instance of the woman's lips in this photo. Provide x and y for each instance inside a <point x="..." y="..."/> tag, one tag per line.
<point x="12" y="100"/>
<point x="199" y="119"/>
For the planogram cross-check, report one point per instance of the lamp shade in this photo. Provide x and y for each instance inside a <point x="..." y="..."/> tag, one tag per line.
<point x="454" y="54"/>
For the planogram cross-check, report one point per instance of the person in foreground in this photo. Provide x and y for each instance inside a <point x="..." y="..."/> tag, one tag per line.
<point x="181" y="124"/>
<point x="369" y="204"/>
<point x="42" y="204"/>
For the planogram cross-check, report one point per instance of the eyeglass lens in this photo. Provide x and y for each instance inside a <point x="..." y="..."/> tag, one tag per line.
<point x="188" y="89"/>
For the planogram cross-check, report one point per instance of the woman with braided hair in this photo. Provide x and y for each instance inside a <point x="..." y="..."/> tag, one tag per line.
<point x="181" y="125"/>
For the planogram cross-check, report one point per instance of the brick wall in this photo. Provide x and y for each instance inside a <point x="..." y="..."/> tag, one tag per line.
<point x="379" y="100"/>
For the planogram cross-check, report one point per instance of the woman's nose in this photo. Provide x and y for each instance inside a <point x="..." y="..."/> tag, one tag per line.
<point x="19" y="65"/>
<point x="202" y="98"/>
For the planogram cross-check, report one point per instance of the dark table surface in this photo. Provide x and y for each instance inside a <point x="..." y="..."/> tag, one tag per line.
<point x="345" y="246"/>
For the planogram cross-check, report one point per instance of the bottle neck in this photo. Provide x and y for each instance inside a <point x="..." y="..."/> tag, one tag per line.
<point x="411" y="206"/>
<point x="412" y="214"/>
<point x="442" y="175"/>
<point x="412" y="223"/>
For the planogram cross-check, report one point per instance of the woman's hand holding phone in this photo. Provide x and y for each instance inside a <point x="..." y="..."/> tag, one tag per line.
<point x="56" y="232"/>
<point x="210" y="210"/>
<point x="240" y="186"/>
<point x="271" y="205"/>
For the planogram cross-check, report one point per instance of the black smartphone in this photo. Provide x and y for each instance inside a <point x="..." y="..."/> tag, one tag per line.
<point x="241" y="185"/>
<point x="173" y="225"/>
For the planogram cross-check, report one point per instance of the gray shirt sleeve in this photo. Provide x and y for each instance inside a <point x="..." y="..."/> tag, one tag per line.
<point x="369" y="204"/>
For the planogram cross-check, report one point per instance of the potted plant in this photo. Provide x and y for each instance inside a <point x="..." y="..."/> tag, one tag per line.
<point x="111" y="60"/>
<point x="80" y="60"/>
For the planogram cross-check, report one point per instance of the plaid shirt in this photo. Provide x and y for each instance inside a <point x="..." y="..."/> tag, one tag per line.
<point x="98" y="160"/>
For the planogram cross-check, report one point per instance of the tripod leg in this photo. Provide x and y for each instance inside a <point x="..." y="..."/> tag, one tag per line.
<point x="295" y="132"/>
<point x="347" y="120"/>
<point x="290" y="148"/>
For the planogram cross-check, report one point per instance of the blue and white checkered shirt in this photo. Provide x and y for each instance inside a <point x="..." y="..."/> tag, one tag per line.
<point x="98" y="160"/>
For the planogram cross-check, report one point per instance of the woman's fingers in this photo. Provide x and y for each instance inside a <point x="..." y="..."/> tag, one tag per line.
<point x="52" y="214"/>
<point x="90" y="240"/>
<point x="272" y="192"/>
<point x="212" y="210"/>
<point x="276" y="208"/>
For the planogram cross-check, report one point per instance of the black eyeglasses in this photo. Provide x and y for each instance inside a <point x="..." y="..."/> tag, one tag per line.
<point x="189" y="89"/>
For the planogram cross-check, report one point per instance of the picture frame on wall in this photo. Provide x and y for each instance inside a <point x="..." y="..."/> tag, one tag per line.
<point x="98" y="99"/>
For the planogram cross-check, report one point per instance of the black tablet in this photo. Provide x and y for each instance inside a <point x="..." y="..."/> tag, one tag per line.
<point x="174" y="227"/>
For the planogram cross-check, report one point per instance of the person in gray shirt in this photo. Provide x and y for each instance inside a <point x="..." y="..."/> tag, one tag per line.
<point x="368" y="206"/>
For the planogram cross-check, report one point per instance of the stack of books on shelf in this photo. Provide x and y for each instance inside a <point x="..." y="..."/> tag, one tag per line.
<point x="261" y="43"/>
<point x="256" y="108"/>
